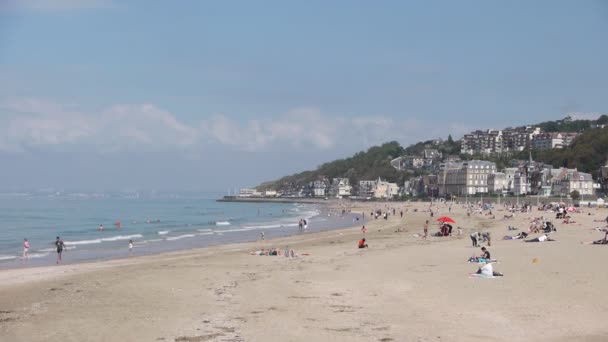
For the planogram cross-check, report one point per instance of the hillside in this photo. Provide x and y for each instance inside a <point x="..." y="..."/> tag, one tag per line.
<point x="371" y="164"/>
<point x="588" y="152"/>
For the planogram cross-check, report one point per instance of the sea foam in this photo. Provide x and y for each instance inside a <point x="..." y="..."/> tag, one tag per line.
<point x="122" y="237"/>
<point x="83" y="242"/>
<point x="173" y="238"/>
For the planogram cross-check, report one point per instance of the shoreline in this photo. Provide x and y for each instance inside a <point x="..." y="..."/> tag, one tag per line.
<point x="304" y="200"/>
<point x="74" y="255"/>
<point x="331" y="291"/>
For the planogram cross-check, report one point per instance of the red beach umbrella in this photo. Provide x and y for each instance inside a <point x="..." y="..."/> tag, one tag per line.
<point x="446" y="219"/>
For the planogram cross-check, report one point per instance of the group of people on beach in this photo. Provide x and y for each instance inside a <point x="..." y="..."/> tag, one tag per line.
<point x="287" y="252"/>
<point x="59" y="245"/>
<point x="60" y="248"/>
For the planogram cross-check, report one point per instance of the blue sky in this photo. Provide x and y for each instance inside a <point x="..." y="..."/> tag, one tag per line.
<point x="102" y="94"/>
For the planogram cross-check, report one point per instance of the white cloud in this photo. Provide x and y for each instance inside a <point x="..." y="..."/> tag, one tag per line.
<point x="54" y="5"/>
<point x="36" y="123"/>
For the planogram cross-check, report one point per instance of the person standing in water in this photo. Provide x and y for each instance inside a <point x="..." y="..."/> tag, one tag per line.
<point x="60" y="247"/>
<point x="130" y="246"/>
<point x="26" y="249"/>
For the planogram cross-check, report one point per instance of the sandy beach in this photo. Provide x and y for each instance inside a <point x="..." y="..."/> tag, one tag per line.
<point x="401" y="288"/>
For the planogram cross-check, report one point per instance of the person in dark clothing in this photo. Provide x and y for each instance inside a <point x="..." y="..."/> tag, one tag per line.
<point x="485" y="254"/>
<point x="60" y="247"/>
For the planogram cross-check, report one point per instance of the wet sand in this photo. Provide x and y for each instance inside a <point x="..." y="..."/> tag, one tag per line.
<point x="399" y="289"/>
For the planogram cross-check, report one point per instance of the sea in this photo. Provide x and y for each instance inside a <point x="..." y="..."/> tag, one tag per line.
<point x="155" y="223"/>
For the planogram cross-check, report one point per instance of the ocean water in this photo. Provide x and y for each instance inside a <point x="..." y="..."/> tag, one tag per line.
<point x="155" y="225"/>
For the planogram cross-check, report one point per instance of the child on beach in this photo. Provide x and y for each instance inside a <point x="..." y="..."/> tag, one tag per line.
<point x="26" y="249"/>
<point x="362" y="243"/>
<point x="363" y="230"/>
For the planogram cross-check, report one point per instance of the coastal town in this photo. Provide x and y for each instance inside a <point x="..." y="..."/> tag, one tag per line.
<point x="433" y="174"/>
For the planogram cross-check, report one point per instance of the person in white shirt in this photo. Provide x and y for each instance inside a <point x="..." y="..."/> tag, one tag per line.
<point x="541" y="238"/>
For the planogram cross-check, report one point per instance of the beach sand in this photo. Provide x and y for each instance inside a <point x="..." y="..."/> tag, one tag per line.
<point x="399" y="289"/>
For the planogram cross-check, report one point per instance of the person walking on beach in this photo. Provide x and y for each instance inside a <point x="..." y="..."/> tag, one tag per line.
<point x="363" y="230"/>
<point x="130" y="246"/>
<point x="26" y="249"/>
<point x="262" y="235"/>
<point x="60" y="247"/>
<point x="426" y="229"/>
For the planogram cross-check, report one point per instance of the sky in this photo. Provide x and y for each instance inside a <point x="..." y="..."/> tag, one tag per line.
<point x="218" y="95"/>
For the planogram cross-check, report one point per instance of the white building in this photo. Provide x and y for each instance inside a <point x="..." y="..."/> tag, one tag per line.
<point x="340" y="187"/>
<point x="545" y="141"/>
<point x="320" y="188"/>
<point x="270" y="193"/>
<point x="469" y="177"/>
<point x="521" y="185"/>
<point x="249" y="193"/>
<point x="406" y="162"/>
<point x="497" y="183"/>
<point x="569" y="180"/>
<point x="367" y="188"/>
<point x="385" y="189"/>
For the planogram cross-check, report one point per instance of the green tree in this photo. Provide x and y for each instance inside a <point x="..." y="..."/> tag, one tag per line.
<point x="575" y="195"/>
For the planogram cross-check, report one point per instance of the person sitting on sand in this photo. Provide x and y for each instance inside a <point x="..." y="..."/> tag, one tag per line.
<point x="541" y="238"/>
<point x="510" y="216"/>
<point x="362" y="243"/>
<point x="603" y="241"/>
<point x="488" y="270"/>
<point x="485" y="254"/>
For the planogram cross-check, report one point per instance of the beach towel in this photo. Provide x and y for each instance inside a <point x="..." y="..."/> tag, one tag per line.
<point x="481" y="276"/>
